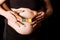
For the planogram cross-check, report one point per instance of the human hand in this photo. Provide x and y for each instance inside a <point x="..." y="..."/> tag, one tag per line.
<point x="17" y="26"/>
<point x="38" y="18"/>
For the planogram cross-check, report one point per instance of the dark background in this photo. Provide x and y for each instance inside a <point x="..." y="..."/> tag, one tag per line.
<point x="49" y="24"/>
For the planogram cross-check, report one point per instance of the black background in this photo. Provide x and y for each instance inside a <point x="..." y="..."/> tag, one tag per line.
<point x="48" y="26"/>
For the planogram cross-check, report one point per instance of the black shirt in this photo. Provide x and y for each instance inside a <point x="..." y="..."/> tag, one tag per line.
<point x="23" y="3"/>
<point x="32" y="4"/>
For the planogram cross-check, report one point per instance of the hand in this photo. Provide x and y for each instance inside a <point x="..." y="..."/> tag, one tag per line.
<point x="17" y="26"/>
<point x="12" y="22"/>
<point x="38" y="18"/>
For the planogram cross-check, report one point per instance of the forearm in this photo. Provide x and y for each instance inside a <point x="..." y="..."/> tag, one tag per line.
<point x="49" y="9"/>
<point x="2" y="12"/>
<point x="4" y="5"/>
<point x="48" y="12"/>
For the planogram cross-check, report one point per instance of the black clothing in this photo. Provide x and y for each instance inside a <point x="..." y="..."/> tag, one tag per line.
<point x="11" y="34"/>
<point x="2" y="24"/>
<point x="32" y="4"/>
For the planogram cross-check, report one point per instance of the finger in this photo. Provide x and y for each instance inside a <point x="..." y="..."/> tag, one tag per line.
<point x="40" y="18"/>
<point x="34" y="25"/>
<point x="37" y="20"/>
<point x="16" y="15"/>
<point x="20" y="22"/>
<point x="18" y="18"/>
<point x="40" y="15"/>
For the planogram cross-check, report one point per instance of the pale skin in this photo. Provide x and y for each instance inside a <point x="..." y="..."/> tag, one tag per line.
<point x="40" y="15"/>
<point x="1" y="1"/>
<point x="18" y="27"/>
<point x="21" y="29"/>
<point x="26" y="13"/>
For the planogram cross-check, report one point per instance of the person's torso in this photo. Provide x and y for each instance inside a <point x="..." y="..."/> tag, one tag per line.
<point x="32" y="4"/>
